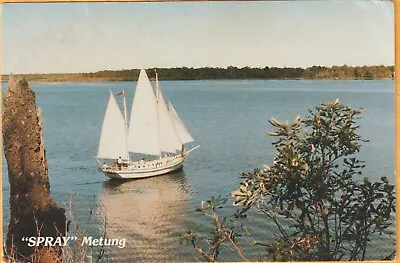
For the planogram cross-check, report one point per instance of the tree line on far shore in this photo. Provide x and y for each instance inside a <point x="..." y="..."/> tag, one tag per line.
<point x="204" y="73"/>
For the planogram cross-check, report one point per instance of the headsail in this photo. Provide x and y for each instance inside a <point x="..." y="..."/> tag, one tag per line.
<point x="183" y="133"/>
<point x="113" y="133"/>
<point x="169" y="137"/>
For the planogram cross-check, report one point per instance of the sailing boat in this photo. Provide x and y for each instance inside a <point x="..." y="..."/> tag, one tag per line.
<point x="154" y="129"/>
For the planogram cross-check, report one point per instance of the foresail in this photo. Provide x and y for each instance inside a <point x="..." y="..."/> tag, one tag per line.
<point x="183" y="133"/>
<point x="169" y="137"/>
<point x="113" y="134"/>
<point x="143" y="134"/>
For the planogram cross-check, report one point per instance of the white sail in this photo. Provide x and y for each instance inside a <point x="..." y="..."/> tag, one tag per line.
<point x="169" y="137"/>
<point x="143" y="134"/>
<point x="113" y="133"/>
<point x="183" y="133"/>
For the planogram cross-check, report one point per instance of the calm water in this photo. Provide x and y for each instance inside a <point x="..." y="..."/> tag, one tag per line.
<point x="228" y="119"/>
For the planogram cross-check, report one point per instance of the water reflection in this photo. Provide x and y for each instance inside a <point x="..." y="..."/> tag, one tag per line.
<point x="147" y="212"/>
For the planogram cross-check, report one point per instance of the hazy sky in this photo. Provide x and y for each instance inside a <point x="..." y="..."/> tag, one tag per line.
<point x="84" y="37"/>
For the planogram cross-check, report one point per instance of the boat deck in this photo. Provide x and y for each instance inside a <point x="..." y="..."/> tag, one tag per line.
<point x="145" y="168"/>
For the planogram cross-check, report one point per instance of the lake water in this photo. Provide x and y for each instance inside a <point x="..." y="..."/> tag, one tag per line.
<point x="228" y="119"/>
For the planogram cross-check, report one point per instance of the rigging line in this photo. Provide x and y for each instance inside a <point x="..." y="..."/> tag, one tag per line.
<point x="126" y="126"/>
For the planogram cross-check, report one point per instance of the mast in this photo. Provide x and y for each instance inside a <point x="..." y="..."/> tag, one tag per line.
<point x="126" y="124"/>
<point x="158" y="114"/>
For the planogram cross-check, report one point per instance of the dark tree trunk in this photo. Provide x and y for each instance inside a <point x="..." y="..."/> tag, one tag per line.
<point x="33" y="212"/>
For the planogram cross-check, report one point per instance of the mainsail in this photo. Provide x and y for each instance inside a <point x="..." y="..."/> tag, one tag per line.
<point x="142" y="134"/>
<point x="151" y="130"/>
<point x="183" y="133"/>
<point x="113" y="133"/>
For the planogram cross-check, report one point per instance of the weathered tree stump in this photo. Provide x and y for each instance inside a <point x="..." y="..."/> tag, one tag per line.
<point x="33" y="212"/>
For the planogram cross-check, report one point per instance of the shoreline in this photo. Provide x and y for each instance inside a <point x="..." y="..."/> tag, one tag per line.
<point x="245" y="79"/>
<point x="374" y="72"/>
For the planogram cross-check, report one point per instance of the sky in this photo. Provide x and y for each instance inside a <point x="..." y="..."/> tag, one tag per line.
<point x="87" y="37"/>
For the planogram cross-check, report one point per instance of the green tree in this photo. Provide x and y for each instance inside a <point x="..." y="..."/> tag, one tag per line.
<point x="369" y="75"/>
<point x="313" y="193"/>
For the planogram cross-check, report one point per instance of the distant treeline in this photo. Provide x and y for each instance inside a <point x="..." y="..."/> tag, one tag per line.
<point x="184" y="73"/>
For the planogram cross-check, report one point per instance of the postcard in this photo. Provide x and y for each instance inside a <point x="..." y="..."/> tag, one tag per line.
<point x="198" y="131"/>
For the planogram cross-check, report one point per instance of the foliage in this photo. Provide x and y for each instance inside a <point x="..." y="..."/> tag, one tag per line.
<point x="184" y="73"/>
<point x="223" y="231"/>
<point x="313" y="193"/>
<point x="76" y="250"/>
<point x="313" y="184"/>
